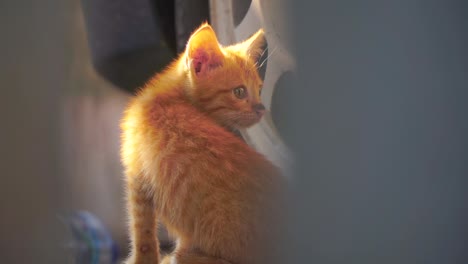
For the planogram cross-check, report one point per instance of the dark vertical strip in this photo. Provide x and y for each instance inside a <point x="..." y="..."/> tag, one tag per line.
<point x="378" y="122"/>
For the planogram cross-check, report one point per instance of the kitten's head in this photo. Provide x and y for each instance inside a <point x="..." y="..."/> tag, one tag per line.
<point x="224" y="81"/>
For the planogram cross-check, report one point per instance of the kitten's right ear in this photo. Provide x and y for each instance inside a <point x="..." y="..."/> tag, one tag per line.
<point x="253" y="47"/>
<point x="255" y="44"/>
<point x="203" y="51"/>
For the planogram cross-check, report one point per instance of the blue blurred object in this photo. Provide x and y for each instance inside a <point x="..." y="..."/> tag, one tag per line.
<point x="90" y="242"/>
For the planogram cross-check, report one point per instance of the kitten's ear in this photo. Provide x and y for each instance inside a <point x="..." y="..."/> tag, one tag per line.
<point x="254" y="45"/>
<point x="203" y="51"/>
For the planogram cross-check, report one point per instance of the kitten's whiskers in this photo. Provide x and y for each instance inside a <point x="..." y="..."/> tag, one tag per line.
<point x="269" y="55"/>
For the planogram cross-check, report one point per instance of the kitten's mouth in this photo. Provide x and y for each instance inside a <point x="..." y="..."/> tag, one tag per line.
<point x="249" y="119"/>
<point x="260" y="115"/>
<point x="240" y="120"/>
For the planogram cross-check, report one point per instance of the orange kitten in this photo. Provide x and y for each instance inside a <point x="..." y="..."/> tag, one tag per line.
<point x="184" y="168"/>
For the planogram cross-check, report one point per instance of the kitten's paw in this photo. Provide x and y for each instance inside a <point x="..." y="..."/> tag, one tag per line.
<point x="222" y="261"/>
<point x="129" y="260"/>
<point x="167" y="260"/>
<point x="135" y="260"/>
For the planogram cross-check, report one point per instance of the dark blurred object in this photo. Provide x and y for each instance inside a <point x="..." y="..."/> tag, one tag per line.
<point x="239" y="9"/>
<point x="189" y="14"/>
<point x="132" y="40"/>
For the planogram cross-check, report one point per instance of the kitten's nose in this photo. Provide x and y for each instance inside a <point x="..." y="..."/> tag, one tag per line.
<point x="259" y="109"/>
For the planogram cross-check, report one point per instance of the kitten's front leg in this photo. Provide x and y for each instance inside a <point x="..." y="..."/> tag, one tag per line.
<point x="184" y="257"/>
<point x="143" y="225"/>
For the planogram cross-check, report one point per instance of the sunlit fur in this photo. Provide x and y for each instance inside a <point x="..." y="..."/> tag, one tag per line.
<point x="184" y="167"/>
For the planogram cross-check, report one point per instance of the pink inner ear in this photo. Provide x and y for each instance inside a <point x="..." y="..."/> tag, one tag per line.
<point x="199" y="58"/>
<point x="203" y="62"/>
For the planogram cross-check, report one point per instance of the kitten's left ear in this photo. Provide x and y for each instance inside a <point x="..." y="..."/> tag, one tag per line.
<point x="203" y="50"/>
<point x="254" y="45"/>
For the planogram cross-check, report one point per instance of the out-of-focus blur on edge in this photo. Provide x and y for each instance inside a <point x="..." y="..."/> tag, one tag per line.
<point x="378" y="125"/>
<point x="34" y="61"/>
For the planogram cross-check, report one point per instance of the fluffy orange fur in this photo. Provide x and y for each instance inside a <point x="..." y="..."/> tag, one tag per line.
<point x="185" y="168"/>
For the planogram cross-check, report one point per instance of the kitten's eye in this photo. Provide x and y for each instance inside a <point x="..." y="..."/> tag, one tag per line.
<point x="240" y="92"/>
<point x="260" y="92"/>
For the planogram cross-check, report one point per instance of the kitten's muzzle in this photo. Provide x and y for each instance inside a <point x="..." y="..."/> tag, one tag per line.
<point x="259" y="109"/>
